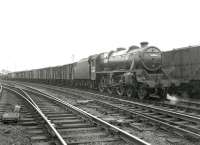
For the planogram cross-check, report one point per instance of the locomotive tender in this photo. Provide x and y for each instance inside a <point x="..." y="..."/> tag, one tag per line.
<point x="135" y="72"/>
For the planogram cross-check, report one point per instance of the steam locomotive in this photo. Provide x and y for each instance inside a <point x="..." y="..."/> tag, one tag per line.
<point x="135" y="72"/>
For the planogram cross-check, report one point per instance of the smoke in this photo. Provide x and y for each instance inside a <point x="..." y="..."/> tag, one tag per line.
<point x="172" y="99"/>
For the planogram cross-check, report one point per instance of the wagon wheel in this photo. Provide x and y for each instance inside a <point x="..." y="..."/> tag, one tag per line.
<point x="142" y="92"/>
<point x="91" y="85"/>
<point x="185" y="94"/>
<point x="101" y="85"/>
<point x="120" y="90"/>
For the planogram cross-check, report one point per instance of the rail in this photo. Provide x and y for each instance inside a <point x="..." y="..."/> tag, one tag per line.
<point x="159" y="110"/>
<point x="123" y="134"/>
<point x="184" y="116"/>
<point x="36" y="108"/>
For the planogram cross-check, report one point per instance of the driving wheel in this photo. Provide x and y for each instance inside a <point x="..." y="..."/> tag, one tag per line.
<point x="101" y="85"/>
<point x="120" y="90"/>
<point x="142" y="92"/>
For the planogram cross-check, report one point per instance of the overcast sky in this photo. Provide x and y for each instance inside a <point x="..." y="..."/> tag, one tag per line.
<point x="40" y="33"/>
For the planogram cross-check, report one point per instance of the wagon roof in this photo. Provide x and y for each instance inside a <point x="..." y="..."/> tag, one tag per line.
<point x="184" y="48"/>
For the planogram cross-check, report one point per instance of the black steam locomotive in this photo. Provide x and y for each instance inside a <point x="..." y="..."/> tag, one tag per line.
<point x="135" y="72"/>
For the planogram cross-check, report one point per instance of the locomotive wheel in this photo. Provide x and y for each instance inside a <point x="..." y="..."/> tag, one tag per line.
<point x="101" y="88"/>
<point x="120" y="90"/>
<point x="142" y="92"/>
<point x="131" y="92"/>
<point x="101" y="85"/>
<point x="110" y="90"/>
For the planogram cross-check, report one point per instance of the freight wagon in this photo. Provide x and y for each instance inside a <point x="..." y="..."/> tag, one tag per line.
<point x="183" y="66"/>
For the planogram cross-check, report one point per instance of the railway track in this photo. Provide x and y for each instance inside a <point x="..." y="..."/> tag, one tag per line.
<point x="76" y="126"/>
<point x="174" y="104"/>
<point x="30" y="118"/>
<point x="181" y="124"/>
<point x="191" y="108"/>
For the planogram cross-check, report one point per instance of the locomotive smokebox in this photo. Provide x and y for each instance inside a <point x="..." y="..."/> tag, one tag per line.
<point x="144" y="44"/>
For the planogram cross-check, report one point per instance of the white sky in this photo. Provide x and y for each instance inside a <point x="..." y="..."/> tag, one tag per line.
<point x="39" y="33"/>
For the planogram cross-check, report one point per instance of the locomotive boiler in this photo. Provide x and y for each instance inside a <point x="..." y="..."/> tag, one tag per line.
<point x="134" y="72"/>
<point x="135" y="57"/>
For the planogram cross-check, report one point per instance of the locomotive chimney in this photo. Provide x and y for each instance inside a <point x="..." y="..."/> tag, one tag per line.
<point x="144" y="44"/>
